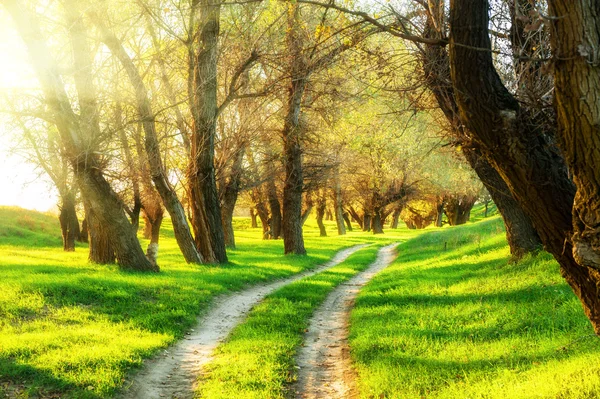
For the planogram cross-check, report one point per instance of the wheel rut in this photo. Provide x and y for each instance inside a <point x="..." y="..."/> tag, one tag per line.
<point x="325" y="368"/>
<point x="173" y="373"/>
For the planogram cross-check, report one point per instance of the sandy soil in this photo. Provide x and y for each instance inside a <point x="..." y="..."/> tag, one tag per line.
<point x="173" y="373"/>
<point x="325" y="369"/>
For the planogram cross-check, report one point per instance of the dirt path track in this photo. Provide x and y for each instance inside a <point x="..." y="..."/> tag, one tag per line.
<point x="324" y="360"/>
<point x="173" y="373"/>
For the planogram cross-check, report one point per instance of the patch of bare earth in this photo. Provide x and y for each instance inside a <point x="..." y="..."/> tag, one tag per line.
<point x="173" y="373"/>
<point x="325" y="368"/>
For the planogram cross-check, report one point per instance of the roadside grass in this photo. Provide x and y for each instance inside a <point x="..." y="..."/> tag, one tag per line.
<point x="257" y="361"/>
<point x="463" y="323"/>
<point x="72" y="329"/>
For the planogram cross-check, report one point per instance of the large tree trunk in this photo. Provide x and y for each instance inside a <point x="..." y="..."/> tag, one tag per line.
<point x="206" y="210"/>
<point x="377" y="222"/>
<point x="77" y="134"/>
<point x="293" y="241"/>
<point x="101" y="248"/>
<point x="520" y="233"/>
<point x="69" y="225"/>
<point x="511" y="139"/>
<point x="575" y="37"/>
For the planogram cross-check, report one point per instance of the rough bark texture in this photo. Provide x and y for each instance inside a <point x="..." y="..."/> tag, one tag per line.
<point x="396" y="216"/>
<point x="101" y="248"/>
<point x="357" y="218"/>
<point x="206" y="210"/>
<point x="366" y="226"/>
<point x="526" y="157"/>
<point x="153" y="218"/>
<point x="577" y="87"/>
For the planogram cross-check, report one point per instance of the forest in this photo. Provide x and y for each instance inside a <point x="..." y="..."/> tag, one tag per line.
<point x="303" y="199"/>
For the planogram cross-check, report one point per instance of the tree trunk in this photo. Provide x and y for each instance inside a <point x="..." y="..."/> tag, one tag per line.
<point x="338" y="203"/>
<point x="347" y="220"/>
<point x="396" y="216"/>
<point x="293" y="240"/>
<point x="321" y="205"/>
<point x="377" y="222"/>
<point x="157" y="171"/>
<point x="84" y="234"/>
<point x="101" y="248"/>
<point x="230" y="195"/>
<point x="275" y="208"/>
<point x="576" y="34"/>
<point x="356" y="217"/>
<point x="69" y="225"/>
<point x="77" y="133"/>
<point x="206" y="210"/>
<point x="458" y="208"/>
<point x="366" y="226"/>
<point x="520" y="233"/>
<point x="152" y="221"/>
<point x="510" y="138"/>
<point x="253" y="221"/>
<point x="308" y="209"/>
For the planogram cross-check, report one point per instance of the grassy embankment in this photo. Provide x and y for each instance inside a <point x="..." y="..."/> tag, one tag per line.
<point x="463" y="323"/>
<point x="72" y="329"/>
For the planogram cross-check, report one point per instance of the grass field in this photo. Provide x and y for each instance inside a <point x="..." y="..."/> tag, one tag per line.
<point x="73" y="329"/>
<point x="463" y="323"/>
<point x="449" y="319"/>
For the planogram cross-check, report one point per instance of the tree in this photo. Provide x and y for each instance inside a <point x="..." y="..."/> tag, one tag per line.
<point x="75" y="131"/>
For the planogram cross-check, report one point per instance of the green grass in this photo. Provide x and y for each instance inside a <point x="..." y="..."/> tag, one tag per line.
<point x="73" y="329"/>
<point x="258" y="358"/>
<point x="463" y="323"/>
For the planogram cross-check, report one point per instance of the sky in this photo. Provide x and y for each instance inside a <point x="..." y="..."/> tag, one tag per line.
<point x="20" y="183"/>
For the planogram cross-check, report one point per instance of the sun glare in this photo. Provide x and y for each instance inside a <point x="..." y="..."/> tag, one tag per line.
<point x="21" y="184"/>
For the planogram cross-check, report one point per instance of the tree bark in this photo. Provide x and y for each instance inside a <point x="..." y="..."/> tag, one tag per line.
<point x="308" y="208"/>
<point x="377" y="222"/>
<point x="356" y="217"/>
<point x="206" y="210"/>
<point x="153" y="218"/>
<point x="458" y="208"/>
<point x="520" y="233"/>
<point x="575" y="37"/>
<point x="510" y="138"/>
<point x="366" y="222"/>
<point x="101" y="248"/>
<point x="396" y="216"/>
